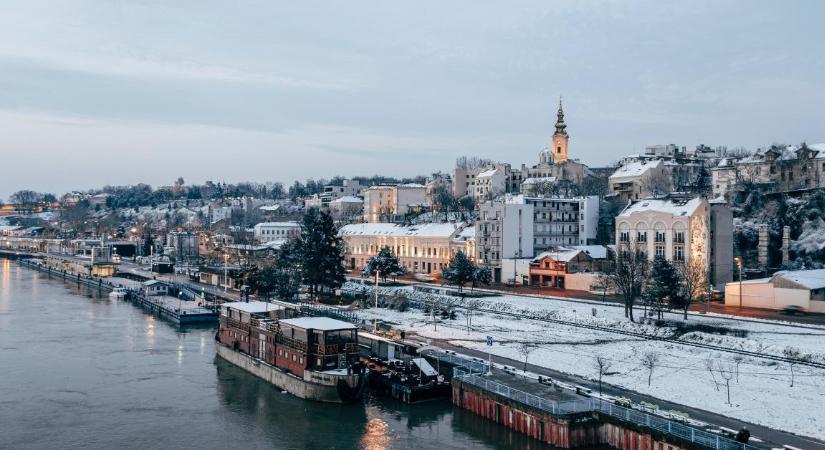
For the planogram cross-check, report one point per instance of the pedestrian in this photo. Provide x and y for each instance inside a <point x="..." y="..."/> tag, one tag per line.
<point x="743" y="435"/>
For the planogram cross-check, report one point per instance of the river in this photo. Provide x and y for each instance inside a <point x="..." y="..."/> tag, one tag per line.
<point x="81" y="371"/>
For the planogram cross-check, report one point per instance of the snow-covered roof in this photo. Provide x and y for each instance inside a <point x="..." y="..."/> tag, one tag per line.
<point x="559" y="254"/>
<point x="535" y="180"/>
<point x="152" y="283"/>
<point x="444" y="230"/>
<point x="8" y="228"/>
<point x="487" y="173"/>
<point x="269" y="207"/>
<point x="278" y="224"/>
<point x="811" y="279"/>
<point x="411" y="185"/>
<point x="347" y="199"/>
<point x="318" y="323"/>
<point x="636" y="168"/>
<point x="675" y="208"/>
<point x="252" y="307"/>
<point x="818" y="147"/>
<point x="595" y="251"/>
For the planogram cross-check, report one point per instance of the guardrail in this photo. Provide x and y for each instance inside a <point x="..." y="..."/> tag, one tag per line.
<point x="669" y="427"/>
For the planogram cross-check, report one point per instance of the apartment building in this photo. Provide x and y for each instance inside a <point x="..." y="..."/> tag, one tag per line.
<point x="503" y="231"/>
<point x="561" y="221"/>
<point x="393" y="203"/>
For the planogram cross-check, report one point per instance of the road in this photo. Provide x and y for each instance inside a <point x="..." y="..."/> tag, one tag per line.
<point x="770" y="436"/>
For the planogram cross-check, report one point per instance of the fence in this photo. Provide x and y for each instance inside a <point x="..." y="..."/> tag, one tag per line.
<point x="464" y="364"/>
<point x="679" y="430"/>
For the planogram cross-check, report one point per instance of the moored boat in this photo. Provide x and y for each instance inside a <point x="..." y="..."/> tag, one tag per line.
<point x="315" y="358"/>
<point x="118" y="293"/>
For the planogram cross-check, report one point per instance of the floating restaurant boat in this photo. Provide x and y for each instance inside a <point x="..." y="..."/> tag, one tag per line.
<point x="314" y="358"/>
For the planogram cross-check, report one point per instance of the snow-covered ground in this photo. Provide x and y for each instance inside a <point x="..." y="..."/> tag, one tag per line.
<point x="760" y="389"/>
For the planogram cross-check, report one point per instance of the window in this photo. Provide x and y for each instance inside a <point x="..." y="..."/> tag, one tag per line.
<point x="660" y="250"/>
<point x="679" y="253"/>
<point x="624" y="236"/>
<point x="679" y="237"/>
<point x="641" y="236"/>
<point x="660" y="236"/>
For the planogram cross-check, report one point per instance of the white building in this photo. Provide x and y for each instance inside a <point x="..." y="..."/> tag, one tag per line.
<point x="639" y="179"/>
<point x="347" y="206"/>
<point x="392" y="203"/>
<point x="347" y="188"/>
<point x="481" y="183"/>
<point x="420" y="248"/>
<point x="561" y="221"/>
<point x="503" y="231"/>
<point x="272" y="231"/>
<point x="680" y="231"/>
<point x="676" y="230"/>
<point x="804" y="289"/>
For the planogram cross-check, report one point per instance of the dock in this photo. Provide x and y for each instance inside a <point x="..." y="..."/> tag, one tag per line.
<point x="176" y="310"/>
<point x="568" y="418"/>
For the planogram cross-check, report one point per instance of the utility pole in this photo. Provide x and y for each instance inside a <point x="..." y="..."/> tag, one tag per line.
<point x="225" y="272"/>
<point x="375" y="320"/>
<point x="738" y="260"/>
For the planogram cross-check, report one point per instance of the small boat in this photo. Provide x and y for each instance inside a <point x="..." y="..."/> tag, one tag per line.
<point x="118" y="293"/>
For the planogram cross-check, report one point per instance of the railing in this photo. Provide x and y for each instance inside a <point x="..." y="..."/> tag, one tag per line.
<point x="669" y="427"/>
<point x="463" y="364"/>
<point x="550" y="406"/>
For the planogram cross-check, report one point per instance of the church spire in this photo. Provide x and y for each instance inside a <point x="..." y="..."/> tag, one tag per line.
<point x="560" y="125"/>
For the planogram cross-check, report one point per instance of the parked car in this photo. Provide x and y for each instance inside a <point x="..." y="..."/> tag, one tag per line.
<point x="793" y="310"/>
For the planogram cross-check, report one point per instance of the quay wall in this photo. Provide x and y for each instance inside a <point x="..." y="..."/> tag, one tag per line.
<point x="569" y="431"/>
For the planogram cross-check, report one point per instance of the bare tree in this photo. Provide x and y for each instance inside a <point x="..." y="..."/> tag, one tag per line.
<point x="710" y="364"/>
<point x="726" y="373"/>
<point x="650" y="360"/>
<point x="471" y="306"/>
<point x="602" y="365"/>
<point x="629" y="277"/>
<point x="794" y="356"/>
<point x="737" y="360"/>
<point x="525" y="348"/>
<point x="695" y="285"/>
<point x="657" y="184"/>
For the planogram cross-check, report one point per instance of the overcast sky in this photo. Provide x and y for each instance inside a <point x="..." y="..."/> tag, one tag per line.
<point x="119" y="92"/>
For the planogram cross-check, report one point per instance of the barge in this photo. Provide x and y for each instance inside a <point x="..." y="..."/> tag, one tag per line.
<point x="314" y="358"/>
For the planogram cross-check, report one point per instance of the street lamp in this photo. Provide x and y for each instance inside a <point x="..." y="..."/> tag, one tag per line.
<point x="225" y="272"/>
<point x="738" y="260"/>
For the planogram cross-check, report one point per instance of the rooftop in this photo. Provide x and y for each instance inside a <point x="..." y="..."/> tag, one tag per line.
<point x="277" y="224"/>
<point x="668" y="206"/>
<point x="443" y="230"/>
<point x="635" y="168"/>
<point x="252" y="307"/>
<point x="810" y="279"/>
<point x="318" y="323"/>
<point x="347" y="199"/>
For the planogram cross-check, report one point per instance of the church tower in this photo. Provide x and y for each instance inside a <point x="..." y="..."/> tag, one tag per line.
<point x="560" y="137"/>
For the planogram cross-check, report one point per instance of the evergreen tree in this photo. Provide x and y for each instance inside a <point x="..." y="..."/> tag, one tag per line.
<point x="663" y="286"/>
<point x="384" y="263"/>
<point x="482" y="275"/>
<point x="460" y="271"/>
<point x="321" y="252"/>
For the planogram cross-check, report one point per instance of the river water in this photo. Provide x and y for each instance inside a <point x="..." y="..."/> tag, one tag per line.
<point x="81" y="371"/>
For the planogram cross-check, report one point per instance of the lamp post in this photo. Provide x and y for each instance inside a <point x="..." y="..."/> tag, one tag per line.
<point x="738" y="260"/>
<point x="225" y="272"/>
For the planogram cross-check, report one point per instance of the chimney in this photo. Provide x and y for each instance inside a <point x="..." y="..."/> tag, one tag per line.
<point x="763" y="246"/>
<point x="786" y="243"/>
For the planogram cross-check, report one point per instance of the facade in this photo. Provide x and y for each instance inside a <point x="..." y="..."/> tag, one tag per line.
<point x="424" y="248"/>
<point x="804" y="289"/>
<point x="481" y="183"/>
<point x="276" y="231"/>
<point x="347" y="188"/>
<point x="561" y="221"/>
<point x="503" y="231"/>
<point x="639" y="179"/>
<point x="347" y="206"/>
<point x="777" y="169"/>
<point x="679" y="231"/>
<point x="392" y="203"/>
<point x="574" y="267"/>
<point x="185" y="246"/>
<point x="155" y="288"/>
